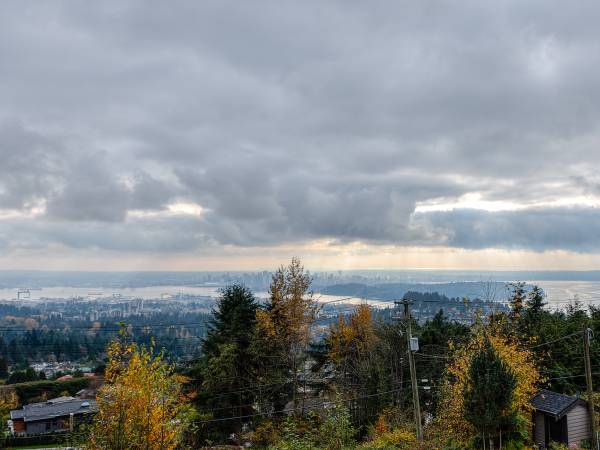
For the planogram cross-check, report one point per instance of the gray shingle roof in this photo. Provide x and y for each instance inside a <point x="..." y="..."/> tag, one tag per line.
<point x="554" y="403"/>
<point x="57" y="407"/>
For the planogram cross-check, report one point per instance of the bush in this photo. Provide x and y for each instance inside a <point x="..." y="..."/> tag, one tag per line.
<point x="399" y="438"/>
<point x="557" y="446"/>
<point x="267" y="433"/>
<point x="332" y="431"/>
<point x="35" y="390"/>
<point x="293" y="438"/>
<point x="336" y="431"/>
<point x="22" y="376"/>
<point x="20" y="441"/>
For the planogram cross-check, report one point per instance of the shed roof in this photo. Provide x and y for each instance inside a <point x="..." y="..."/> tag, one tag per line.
<point x="554" y="403"/>
<point x="57" y="407"/>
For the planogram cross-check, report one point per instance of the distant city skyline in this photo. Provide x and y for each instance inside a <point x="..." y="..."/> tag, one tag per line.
<point x="232" y="136"/>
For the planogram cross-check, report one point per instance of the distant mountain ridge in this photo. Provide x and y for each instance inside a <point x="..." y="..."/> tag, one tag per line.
<point x="259" y="280"/>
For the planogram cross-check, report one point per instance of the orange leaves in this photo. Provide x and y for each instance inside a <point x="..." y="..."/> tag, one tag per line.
<point x="356" y="337"/>
<point x="381" y="426"/>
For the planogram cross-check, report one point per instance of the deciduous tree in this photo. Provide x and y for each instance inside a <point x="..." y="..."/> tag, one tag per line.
<point x="284" y="332"/>
<point x="140" y="405"/>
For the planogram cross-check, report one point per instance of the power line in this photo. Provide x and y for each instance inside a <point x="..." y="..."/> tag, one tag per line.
<point x="247" y="416"/>
<point x="556" y="340"/>
<point x="402" y="383"/>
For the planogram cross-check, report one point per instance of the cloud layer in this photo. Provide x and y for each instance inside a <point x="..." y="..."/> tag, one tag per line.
<point x="141" y="126"/>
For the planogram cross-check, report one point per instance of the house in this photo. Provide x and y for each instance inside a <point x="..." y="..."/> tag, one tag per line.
<point x="52" y="416"/>
<point x="65" y="378"/>
<point x="560" y="418"/>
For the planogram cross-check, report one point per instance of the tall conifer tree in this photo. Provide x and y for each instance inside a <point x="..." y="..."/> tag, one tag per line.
<point x="489" y="393"/>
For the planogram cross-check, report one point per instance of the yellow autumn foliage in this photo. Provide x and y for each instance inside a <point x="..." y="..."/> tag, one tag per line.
<point x="399" y="438"/>
<point x="291" y="310"/>
<point x="284" y="326"/>
<point x="141" y="405"/>
<point x="8" y="401"/>
<point x="519" y="359"/>
<point x="354" y="335"/>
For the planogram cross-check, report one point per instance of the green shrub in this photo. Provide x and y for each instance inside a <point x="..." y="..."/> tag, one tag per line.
<point x="400" y="438"/>
<point x="36" y="390"/>
<point x="557" y="446"/>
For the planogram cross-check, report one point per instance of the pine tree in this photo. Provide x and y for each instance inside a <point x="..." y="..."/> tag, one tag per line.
<point x="517" y="299"/>
<point x="3" y="368"/>
<point x="233" y="320"/>
<point x="488" y="394"/>
<point x="225" y="371"/>
<point x="535" y="300"/>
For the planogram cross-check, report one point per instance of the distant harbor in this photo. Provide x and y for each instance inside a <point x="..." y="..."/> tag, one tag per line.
<point x="559" y="293"/>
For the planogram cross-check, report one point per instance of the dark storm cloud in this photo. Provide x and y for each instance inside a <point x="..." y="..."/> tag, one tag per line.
<point x="291" y="121"/>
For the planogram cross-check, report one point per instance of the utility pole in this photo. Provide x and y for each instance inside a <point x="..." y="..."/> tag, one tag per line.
<point x="588" y="380"/>
<point x="413" y="370"/>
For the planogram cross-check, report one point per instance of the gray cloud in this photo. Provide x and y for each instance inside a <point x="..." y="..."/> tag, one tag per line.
<point x="81" y="184"/>
<point x="295" y="121"/>
<point x="29" y="166"/>
<point x="144" y="235"/>
<point x="574" y="229"/>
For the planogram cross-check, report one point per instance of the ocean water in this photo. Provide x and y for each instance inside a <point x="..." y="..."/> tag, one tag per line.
<point x="559" y="293"/>
<point x="65" y="292"/>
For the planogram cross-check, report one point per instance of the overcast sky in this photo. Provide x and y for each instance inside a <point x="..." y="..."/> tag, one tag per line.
<point x="224" y="135"/>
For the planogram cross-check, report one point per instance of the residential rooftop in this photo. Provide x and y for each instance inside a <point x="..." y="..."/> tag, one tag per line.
<point x="57" y="407"/>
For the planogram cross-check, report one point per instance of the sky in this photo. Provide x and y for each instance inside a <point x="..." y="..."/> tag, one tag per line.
<point x="182" y="135"/>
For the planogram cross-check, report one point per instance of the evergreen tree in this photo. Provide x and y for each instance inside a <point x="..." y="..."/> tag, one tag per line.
<point x="225" y="371"/>
<point x="488" y="394"/>
<point x="517" y="299"/>
<point x="3" y="368"/>
<point x="535" y="300"/>
<point x="531" y="323"/>
<point x="435" y="337"/>
<point x="234" y="317"/>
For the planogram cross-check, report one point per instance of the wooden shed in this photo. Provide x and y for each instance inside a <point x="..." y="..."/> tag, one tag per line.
<point x="560" y="418"/>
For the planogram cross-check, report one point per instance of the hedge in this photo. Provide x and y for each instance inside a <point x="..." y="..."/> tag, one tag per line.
<point x="33" y="390"/>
